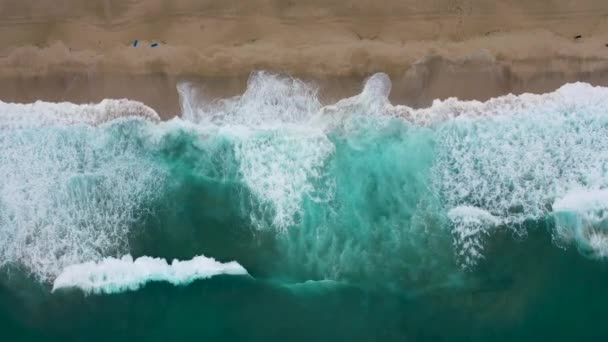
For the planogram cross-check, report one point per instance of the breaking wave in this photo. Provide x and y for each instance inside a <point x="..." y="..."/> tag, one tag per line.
<point x="118" y="275"/>
<point x="358" y="191"/>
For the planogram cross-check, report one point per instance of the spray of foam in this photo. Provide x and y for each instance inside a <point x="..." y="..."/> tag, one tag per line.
<point x="582" y="217"/>
<point x="280" y="154"/>
<point x="269" y="100"/>
<point x="112" y="275"/>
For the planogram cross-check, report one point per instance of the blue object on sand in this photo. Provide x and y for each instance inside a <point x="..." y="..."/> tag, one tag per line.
<point x="135" y="43"/>
<point x="154" y="45"/>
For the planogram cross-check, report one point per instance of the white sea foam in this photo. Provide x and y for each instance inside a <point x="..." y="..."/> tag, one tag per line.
<point x="112" y="275"/>
<point x="40" y="113"/>
<point x="280" y="169"/>
<point x="570" y="96"/>
<point x="514" y="156"/>
<point x="69" y="193"/>
<point x="582" y="201"/>
<point x="270" y="101"/>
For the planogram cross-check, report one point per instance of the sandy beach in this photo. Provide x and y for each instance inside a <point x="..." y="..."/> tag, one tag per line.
<point x="82" y="51"/>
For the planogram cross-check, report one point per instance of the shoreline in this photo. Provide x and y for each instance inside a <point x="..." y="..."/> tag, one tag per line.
<point x="470" y="49"/>
<point x="477" y="77"/>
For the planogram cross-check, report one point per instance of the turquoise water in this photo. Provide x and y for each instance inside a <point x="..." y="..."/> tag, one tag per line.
<point x="464" y="221"/>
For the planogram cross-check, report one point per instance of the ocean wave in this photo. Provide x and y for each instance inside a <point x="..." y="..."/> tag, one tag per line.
<point x="112" y="275"/>
<point x="357" y="191"/>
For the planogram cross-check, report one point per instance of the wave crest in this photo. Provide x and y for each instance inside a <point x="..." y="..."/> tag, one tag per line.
<point x="112" y="275"/>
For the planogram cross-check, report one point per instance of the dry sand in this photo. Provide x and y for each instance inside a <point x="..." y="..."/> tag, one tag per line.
<point x="81" y="50"/>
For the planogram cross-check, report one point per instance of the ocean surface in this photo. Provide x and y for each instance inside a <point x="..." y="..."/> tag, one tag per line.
<point x="271" y="217"/>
